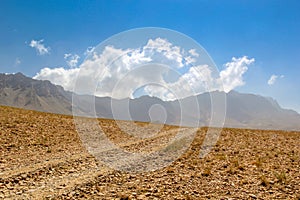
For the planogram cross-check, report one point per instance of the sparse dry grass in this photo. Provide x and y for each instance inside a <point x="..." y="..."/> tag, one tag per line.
<point x="42" y="157"/>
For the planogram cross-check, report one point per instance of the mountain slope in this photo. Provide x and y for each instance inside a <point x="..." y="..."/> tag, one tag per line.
<point x="248" y="110"/>
<point x="242" y="110"/>
<point x="18" y="90"/>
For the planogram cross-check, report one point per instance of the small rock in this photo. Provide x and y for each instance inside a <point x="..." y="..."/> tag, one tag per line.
<point x="24" y="176"/>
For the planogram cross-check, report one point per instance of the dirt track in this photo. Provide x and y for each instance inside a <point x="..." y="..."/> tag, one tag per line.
<point x="42" y="158"/>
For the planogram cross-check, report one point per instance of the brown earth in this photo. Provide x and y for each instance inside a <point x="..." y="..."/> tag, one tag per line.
<point x="42" y="158"/>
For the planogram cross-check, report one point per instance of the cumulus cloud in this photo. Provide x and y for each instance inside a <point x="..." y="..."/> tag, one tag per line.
<point x="72" y="60"/>
<point x="40" y="47"/>
<point x="167" y="49"/>
<point x="59" y="76"/>
<point x="273" y="79"/>
<point x="117" y="72"/>
<point x="176" y="56"/>
<point x="197" y="80"/>
<point x="106" y="68"/>
<point x="232" y="75"/>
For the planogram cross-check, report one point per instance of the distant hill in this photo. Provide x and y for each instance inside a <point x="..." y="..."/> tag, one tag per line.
<point x="18" y="90"/>
<point x="243" y="110"/>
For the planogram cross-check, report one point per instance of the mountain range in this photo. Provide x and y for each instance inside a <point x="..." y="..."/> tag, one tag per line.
<point x="242" y="110"/>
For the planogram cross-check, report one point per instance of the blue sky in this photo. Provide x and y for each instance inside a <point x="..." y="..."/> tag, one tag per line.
<point x="268" y="31"/>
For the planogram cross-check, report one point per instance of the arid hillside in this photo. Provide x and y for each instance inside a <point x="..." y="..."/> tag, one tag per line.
<point x="242" y="110"/>
<point x="42" y="157"/>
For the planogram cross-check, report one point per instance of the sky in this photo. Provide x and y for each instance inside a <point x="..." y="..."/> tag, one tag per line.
<point x="255" y="44"/>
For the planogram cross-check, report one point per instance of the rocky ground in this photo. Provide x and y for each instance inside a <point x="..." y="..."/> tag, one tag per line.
<point x="42" y="157"/>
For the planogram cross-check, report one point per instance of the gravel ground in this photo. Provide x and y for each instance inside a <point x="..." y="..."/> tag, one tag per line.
<point x="42" y="157"/>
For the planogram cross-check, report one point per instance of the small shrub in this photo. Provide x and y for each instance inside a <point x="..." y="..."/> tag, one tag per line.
<point x="258" y="162"/>
<point x="236" y="163"/>
<point x="48" y="150"/>
<point x="281" y="177"/>
<point x="124" y="197"/>
<point x="206" y="172"/>
<point x="222" y="156"/>
<point x="264" y="181"/>
<point x="231" y="170"/>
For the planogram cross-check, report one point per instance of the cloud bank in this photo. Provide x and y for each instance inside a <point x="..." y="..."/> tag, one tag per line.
<point x="119" y="72"/>
<point x="59" y="76"/>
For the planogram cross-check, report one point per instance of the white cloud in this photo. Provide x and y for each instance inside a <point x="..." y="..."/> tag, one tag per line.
<point x="40" y="47"/>
<point x="66" y="55"/>
<point x="200" y="79"/>
<point x="197" y="80"/>
<point x="107" y="68"/>
<point x="89" y="50"/>
<point x="193" y="52"/>
<point x="172" y="52"/>
<point x="232" y="75"/>
<point x="72" y="60"/>
<point x="17" y="61"/>
<point x="59" y="76"/>
<point x="273" y="79"/>
<point x="137" y="68"/>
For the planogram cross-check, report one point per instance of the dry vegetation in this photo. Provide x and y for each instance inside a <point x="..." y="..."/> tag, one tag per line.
<point x="42" y="158"/>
